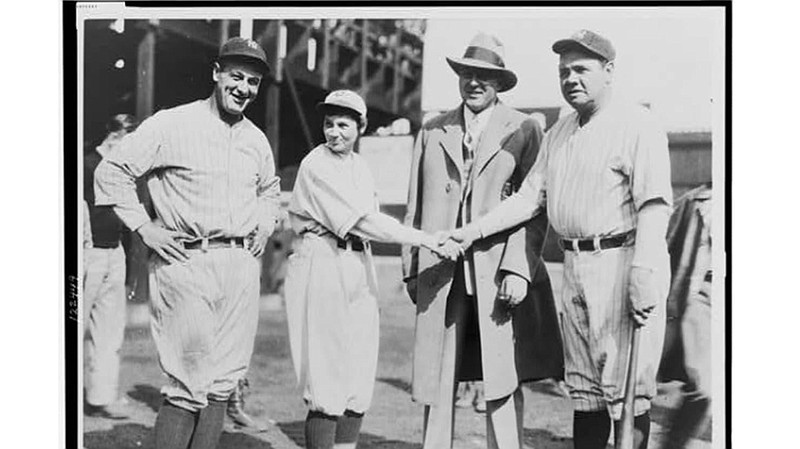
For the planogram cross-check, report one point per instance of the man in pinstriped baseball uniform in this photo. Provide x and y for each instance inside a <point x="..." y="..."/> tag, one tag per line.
<point x="603" y="174"/>
<point x="212" y="180"/>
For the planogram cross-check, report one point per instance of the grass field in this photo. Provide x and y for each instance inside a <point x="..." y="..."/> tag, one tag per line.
<point x="394" y="421"/>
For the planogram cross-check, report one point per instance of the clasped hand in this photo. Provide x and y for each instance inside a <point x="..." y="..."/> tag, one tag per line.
<point x="452" y="244"/>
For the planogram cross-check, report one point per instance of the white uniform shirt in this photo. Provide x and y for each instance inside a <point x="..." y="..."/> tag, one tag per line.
<point x="205" y="177"/>
<point x="331" y="193"/>
<point x="593" y="179"/>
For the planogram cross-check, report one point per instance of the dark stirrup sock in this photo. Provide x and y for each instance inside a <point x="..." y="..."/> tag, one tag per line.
<point x="641" y="430"/>
<point x="642" y="425"/>
<point x="320" y="430"/>
<point x="174" y="426"/>
<point x="209" y="425"/>
<point x="590" y="430"/>
<point x="686" y="422"/>
<point x="348" y="427"/>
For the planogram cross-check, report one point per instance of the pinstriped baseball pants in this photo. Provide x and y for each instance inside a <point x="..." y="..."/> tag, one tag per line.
<point x="596" y="329"/>
<point x="204" y="316"/>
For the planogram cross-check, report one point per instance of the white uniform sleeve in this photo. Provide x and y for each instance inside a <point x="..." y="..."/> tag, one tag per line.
<point x="115" y="177"/>
<point x="268" y="191"/>
<point x="522" y="205"/>
<point x="650" y="165"/>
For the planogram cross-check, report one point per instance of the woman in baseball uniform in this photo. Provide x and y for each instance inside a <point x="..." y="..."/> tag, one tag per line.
<point x="331" y="286"/>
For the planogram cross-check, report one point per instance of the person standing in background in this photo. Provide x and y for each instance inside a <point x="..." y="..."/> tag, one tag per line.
<point x="687" y="351"/>
<point x="104" y="299"/>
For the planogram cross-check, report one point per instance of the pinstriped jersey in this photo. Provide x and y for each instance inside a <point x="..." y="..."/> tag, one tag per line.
<point x="206" y="178"/>
<point x="595" y="177"/>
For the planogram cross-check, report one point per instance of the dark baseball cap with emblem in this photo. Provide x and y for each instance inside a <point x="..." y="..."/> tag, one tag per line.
<point x="587" y="41"/>
<point x="243" y="48"/>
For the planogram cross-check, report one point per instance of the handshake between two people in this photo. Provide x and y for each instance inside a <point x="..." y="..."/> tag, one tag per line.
<point x="453" y="243"/>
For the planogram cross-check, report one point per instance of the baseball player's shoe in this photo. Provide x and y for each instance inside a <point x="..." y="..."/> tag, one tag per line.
<point x="235" y="409"/>
<point x="480" y="400"/>
<point x="115" y="411"/>
<point x="464" y="395"/>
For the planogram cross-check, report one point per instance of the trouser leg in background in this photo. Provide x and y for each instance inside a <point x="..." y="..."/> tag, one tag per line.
<point x="692" y="415"/>
<point x="204" y="320"/>
<point x="104" y="320"/>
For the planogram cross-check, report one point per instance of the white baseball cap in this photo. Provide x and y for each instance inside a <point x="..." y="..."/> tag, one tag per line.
<point x="345" y="99"/>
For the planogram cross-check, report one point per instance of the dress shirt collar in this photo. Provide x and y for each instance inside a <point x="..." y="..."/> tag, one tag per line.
<point x="476" y="123"/>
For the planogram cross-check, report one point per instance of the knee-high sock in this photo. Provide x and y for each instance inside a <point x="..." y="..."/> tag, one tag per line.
<point x="209" y="426"/>
<point x="641" y="430"/>
<point x="590" y="430"/>
<point x="320" y="430"/>
<point x="174" y="426"/>
<point x="348" y="427"/>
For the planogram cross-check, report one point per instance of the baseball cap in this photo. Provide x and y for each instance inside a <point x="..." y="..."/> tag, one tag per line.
<point x="346" y="99"/>
<point x="239" y="47"/>
<point x="589" y="41"/>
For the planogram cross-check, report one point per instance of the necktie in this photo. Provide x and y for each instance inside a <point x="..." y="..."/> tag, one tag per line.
<point x="469" y="144"/>
<point x="469" y="147"/>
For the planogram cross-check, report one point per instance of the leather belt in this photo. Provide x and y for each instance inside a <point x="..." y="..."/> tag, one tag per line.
<point x="597" y="243"/>
<point x="351" y="243"/>
<point x="216" y="242"/>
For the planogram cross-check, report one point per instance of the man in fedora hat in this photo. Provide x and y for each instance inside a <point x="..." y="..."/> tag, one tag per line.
<point x="211" y="176"/>
<point x="603" y="176"/>
<point x="489" y="316"/>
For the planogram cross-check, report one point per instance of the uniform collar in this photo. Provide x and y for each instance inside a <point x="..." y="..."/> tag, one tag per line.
<point x="213" y="108"/>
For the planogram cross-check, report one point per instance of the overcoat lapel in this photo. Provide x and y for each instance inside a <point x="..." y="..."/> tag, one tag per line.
<point x="491" y="139"/>
<point x="452" y="140"/>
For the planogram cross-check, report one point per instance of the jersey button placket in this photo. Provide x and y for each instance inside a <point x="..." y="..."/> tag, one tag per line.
<point x="228" y="178"/>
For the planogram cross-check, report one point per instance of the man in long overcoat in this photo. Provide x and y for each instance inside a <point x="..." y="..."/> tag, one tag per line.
<point x="490" y="315"/>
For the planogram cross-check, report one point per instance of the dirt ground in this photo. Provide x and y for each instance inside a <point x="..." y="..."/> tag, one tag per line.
<point x="394" y="421"/>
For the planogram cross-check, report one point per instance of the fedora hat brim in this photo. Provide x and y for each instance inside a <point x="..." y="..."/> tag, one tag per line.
<point x="507" y="79"/>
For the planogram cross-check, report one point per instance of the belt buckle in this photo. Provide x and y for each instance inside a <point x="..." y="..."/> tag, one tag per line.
<point x="204" y="244"/>
<point x="596" y="244"/>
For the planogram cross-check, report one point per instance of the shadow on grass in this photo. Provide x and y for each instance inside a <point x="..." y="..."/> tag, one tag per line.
<point x="137" y="436"/>
<point x="400" y="384"/>
<point x="295" y="431"/>
<point x="544" y="439"/>
<point x="547" y="387"/>
<point x="121" y="436"/>
<point x="146" y="394"/>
